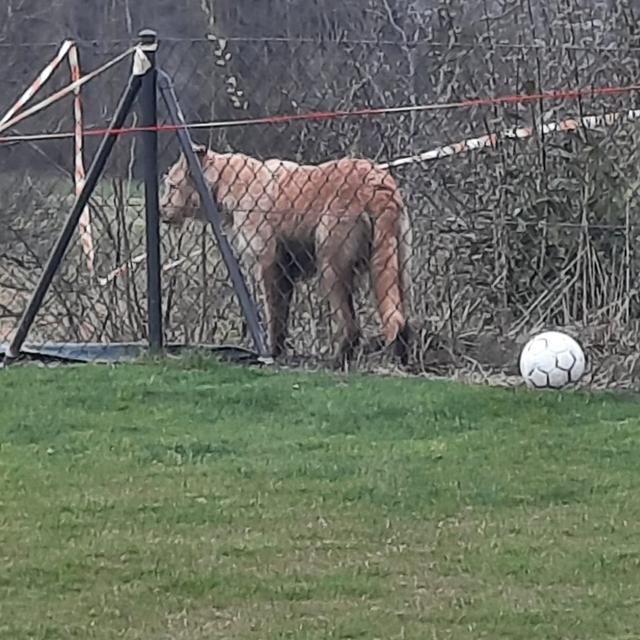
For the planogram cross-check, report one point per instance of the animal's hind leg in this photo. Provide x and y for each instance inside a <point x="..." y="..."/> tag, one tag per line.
<point x="340" y="243"/>
<point x="337" y="286"/>
<point x="275" y="288"/>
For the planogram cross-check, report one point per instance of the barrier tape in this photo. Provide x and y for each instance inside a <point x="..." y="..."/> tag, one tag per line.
<point x="520" y="133"/>
<point x="65" y="91"/>
<point x="70" y="51"/>
<point x="38" y="83"/>
<point x="86" y="236"/>
<point x="141" y="257"/>
<point x="13" y="116"/>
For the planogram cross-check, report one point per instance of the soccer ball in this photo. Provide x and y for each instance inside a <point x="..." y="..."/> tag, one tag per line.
<point x="552" y="360"/>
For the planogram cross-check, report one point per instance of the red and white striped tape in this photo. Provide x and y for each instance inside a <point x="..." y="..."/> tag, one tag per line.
<point x="13" y="116"/>
<point x="86" y="237"/>
<point x="141" y="257"/>
<point x="39" y="82"/>
<point x="519" y="133"/>
<point x="65" y="91"/>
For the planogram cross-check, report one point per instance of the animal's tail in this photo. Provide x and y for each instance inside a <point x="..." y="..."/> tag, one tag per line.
<point x="390" y="260"/>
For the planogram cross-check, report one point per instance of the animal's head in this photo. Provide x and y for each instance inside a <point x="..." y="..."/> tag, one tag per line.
<point x="180" y="199"/>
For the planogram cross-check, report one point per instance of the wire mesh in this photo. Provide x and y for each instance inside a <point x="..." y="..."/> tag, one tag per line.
<point x="506" y="239"/>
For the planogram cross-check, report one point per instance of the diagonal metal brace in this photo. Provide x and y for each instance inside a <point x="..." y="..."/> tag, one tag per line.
<point x="249" y="309"/>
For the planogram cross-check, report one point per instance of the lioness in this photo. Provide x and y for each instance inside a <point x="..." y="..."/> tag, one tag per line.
<point x="293" y="221"/>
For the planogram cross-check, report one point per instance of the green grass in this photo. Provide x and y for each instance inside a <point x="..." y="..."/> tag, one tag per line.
<point x="196" y="500"/>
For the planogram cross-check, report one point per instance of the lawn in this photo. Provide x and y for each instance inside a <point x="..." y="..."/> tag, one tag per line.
<point x="195" y="500"/>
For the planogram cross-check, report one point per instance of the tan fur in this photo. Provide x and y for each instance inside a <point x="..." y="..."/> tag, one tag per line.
<point x="292" y="220"/>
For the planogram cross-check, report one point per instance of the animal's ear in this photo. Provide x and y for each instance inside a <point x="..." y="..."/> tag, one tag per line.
<point x="200" y="150"/>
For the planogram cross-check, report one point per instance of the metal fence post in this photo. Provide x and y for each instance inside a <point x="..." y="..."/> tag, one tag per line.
<point x="149" y="122"/>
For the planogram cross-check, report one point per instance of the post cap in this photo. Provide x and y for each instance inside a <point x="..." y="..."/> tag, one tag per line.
<point x="148" y="36"/>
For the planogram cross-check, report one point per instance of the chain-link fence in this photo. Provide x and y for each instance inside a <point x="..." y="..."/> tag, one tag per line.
<point x="521" y="233"/>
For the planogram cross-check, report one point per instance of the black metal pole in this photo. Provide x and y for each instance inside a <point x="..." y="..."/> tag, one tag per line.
<point x="247" y="304"/>
<point x="149" y="120"/>
<point x="55" y="258"/>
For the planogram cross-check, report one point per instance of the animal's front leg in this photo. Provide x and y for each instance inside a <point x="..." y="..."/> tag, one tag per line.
<point x="278" y="290"/>
<point x="257" y="247"/>
<point x="340" y="297"/>
<point x="339" y="243"/>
